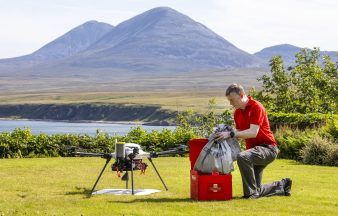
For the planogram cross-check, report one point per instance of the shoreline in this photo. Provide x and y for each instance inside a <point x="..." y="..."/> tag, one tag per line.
<point x="89" y="113"/>
<point x="86" y="121"/>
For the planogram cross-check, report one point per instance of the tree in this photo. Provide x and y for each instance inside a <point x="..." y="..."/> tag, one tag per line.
<point x="202" y="124"/>
<point x="306" y="87"/>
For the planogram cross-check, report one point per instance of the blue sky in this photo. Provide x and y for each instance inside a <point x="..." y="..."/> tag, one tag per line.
<point x="251" y="25"/>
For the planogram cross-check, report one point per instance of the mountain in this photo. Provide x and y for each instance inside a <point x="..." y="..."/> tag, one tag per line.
<point x="288" y="53"/>
<point x="69" y="44"/>
<point x="162" y="39"/>
<point x="158" y="40"/>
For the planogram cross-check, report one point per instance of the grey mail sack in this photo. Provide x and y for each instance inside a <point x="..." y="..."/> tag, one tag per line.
<point x="215" y="157"/>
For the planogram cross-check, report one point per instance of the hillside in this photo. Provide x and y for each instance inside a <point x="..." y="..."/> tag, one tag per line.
<point x="89" y="112"/>
<point x="69" y="44"/>
<point x="288" y="53"/>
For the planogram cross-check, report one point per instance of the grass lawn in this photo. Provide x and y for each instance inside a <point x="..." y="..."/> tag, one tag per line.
<point x="58" y="186"/>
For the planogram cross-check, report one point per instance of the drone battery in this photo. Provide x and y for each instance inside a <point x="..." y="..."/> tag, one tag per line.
<point x="120" y="150"/>
<point x="204" y="186"/>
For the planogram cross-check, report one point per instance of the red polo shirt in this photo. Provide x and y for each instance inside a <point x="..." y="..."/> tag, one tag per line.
<point x="254" y="113"/>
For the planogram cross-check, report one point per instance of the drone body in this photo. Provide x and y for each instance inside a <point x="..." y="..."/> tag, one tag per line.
<point x="128" y="157"/>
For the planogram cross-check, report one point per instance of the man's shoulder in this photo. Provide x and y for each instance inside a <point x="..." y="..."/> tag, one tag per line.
<point x="237" y="111"/>
<point x="256" y="104"/>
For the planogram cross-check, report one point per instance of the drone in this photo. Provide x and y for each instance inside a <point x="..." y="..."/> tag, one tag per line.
<point x="128" y="158"/>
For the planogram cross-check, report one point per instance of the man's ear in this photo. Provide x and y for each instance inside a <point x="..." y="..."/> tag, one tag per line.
<point x="241" y="94"/>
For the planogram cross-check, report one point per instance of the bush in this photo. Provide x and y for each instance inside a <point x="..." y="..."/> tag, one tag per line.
<point x="320" y="151"/>
<point x="16" y="144"/>
<point x="330" y="130"/>
<point x="332" y="159"/>
<point x="22" y="143"/>
<point x="203" y="124"/>
<point x="291" y="141"/>
<point x="159" y="140"/>
<point x="295" y="131"/>
<point x="300" y="121"/>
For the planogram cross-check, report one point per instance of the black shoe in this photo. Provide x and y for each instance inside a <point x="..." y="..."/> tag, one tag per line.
<point x="287" y="186"/>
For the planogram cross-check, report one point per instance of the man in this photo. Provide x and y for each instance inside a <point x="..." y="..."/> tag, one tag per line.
<point x="252" y="124"/>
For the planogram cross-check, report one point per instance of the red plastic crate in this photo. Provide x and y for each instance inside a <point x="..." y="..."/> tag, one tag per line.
<point x="195" y="146"/>
<point x="207" y="186"/>
<point x="210" y="186"/>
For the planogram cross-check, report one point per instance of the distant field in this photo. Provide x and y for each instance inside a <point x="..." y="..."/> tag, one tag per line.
<point x="58" y="186"/>
<point x="171" y="91"/>
<point x="167" y="100"/>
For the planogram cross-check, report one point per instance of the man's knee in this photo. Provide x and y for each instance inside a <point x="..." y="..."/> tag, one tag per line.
<point x="243" y="156"/>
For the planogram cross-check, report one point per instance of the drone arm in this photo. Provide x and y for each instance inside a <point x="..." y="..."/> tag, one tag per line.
<point x="179" y="150"/>
<point x="89" y="154"/>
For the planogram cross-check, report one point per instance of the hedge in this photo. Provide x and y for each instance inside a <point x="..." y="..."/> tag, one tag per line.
<point x="298" y="120"/>
<point x="22" y="143"/>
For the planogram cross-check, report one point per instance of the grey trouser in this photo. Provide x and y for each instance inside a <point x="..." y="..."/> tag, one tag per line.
<point x="251" y="164"/>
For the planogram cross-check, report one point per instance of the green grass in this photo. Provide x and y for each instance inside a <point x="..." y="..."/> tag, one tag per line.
<point x="58" y="186"/>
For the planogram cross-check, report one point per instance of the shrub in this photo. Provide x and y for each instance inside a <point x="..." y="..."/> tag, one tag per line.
<point x="320" y="151"/>
<point x="330" y="130"/>
<point x="202" y="124"/>
<point x="291" y="141"/>
<point x="332" y="159"/>
<point x="22" y="143"/>
<point x="300" y="121"/>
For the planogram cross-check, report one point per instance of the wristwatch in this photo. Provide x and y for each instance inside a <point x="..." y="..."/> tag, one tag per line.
<point x="232" y="134"/>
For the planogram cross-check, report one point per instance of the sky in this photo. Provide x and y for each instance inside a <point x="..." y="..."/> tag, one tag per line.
<point x="251" y="25"/>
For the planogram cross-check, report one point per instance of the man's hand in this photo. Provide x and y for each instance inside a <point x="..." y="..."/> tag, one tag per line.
<point x="222" y="135"/>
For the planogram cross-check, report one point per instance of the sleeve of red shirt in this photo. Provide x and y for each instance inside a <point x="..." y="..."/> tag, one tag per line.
<point x="236" y="126"/>
<point x="235" y="120"/>
<point x="257" y="115"/>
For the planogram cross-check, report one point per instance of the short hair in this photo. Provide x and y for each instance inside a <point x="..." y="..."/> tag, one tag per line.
<point x="238" y="89"/>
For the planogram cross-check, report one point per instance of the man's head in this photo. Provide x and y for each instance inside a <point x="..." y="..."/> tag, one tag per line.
<point x="236" y="96"/>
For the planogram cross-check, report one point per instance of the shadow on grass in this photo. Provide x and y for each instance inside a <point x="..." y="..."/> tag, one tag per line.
<point x="80" y="190"/>
<point x="86" y="192"/>
<point x="162" y="200"/>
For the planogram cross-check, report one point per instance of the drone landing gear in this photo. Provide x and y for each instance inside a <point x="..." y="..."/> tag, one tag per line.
<point x="158" y="174"/>
<point x="125" y="177"/>
<point x="97" y="180"/>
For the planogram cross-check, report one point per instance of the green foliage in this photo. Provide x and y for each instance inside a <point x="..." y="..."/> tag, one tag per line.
<point x="320" y="151"/>
<point x="16" y="144"/>
<point x="291" y="141"/>
<point x="307" y="87"/>
<point x="330" y="130"/>
<point x="203" y="124"/>
<point x="311" y="146"/>
<point x="300" y="121"/>
<point x="22" y="143"/>
<point x="159" y="140"/>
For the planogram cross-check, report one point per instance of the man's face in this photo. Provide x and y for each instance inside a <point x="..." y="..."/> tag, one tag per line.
<point x="235" y="100"/>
